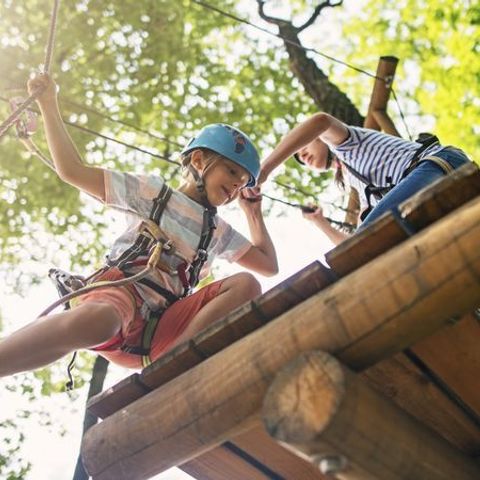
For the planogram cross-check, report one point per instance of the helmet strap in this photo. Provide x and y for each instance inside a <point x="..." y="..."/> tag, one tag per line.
<point x="199" y="182"/>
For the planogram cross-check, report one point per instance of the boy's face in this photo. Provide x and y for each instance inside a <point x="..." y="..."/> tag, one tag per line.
<point x="314" y="155"/>
<point x="223" y="181"/>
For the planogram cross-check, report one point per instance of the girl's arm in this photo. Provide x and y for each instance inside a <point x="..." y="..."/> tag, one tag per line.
<point x="321" y="125"/>
<point x="67" y="161"/>
<point x="261" y="257"/>
<point x="317" y="218"/>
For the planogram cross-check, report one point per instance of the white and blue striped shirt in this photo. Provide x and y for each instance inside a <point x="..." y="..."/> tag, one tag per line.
<point x="380" y="158"/>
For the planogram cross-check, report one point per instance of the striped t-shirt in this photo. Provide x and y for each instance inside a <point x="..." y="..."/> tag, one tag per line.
<point x="182" y="222"/>
<point x="378" y="157"/>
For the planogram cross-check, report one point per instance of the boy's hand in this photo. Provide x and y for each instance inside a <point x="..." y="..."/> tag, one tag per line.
<point x="250" y="200"/>
<point x="44" y="82"/>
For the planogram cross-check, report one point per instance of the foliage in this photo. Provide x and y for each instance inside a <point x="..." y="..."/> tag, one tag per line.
<point x="438" y="44"/>
<point x="12" y="439"/>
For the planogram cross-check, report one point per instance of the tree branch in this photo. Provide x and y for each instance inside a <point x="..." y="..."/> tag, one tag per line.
<point x="317" y="11"/>
<point x="268" y="18"/>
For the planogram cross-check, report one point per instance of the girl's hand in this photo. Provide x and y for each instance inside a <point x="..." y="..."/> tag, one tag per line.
<point x="250" y="200"/>
<point x="316" y="216"/>
<point x="44" y="82"/>
<point x="264" y="173"/>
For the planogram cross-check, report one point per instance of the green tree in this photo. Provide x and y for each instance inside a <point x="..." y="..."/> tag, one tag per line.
<point x="438" y="44"/>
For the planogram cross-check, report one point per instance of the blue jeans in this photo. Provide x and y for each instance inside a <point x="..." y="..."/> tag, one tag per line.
<point x="420" y="177"/>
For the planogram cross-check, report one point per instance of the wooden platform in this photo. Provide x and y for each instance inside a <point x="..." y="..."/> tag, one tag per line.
<point x="435" y="380"/>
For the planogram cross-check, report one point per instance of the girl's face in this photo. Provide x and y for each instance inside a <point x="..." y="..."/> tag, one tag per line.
<point x="315" y="155"/>
<point x="223" y="181"/>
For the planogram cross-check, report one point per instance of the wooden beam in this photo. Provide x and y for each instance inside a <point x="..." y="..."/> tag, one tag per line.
<point x="323" y="411"/>
<point x="381" y="308"/>
<point x="377" y="117"/>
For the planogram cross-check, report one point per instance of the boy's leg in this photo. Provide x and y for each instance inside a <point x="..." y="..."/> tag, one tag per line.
<point x="49" y="338"/>
<point x="235" y="291"/>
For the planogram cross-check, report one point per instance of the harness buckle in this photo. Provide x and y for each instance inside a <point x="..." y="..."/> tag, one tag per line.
<point x="202" y="254"/>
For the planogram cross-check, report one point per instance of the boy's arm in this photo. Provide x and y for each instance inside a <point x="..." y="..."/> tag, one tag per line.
<point x="261" y="257"/>
<point x="319" y="125"/>
<point x="67" y="161"/>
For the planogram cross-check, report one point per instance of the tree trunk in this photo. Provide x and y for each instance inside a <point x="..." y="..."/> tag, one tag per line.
<point x="327" y="96"/>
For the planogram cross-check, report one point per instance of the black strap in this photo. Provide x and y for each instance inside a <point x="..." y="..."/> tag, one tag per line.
<point x="426" y="141"/>
<point x="208" y="227"/>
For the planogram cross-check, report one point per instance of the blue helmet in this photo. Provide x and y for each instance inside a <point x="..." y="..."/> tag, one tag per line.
<point x="230" y="143"/>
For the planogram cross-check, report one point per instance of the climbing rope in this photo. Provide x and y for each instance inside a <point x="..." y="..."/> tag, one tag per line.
<point x="14" y="116"/>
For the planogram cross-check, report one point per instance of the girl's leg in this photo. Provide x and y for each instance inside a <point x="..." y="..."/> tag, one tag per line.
<point x="422" y="176"/>
<point x="49" y="338"/>
<point x="234" y="291"/>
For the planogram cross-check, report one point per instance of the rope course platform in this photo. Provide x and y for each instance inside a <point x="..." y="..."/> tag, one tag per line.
<point x="369" y="367"/>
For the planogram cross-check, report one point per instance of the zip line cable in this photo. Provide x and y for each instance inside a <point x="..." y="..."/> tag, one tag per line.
<point x="150" y="134"/>
<point x="286" y="40"/>
<point x="120" y="142"/>
<point x="306" y="49"/>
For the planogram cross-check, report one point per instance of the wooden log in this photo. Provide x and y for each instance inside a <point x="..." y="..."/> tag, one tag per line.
<point x="323" y="411"/>
<point x="374" y="312"/>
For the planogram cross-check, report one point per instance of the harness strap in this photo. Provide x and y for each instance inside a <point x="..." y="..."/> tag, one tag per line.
<point x="143" y="240"/>
<point x="443" y="164"/>
<point x="149" y="329"/>
<point x="208" y="227"/>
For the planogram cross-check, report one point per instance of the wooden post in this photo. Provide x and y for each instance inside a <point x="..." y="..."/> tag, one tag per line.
<point x="321" y="410"/>
<point x="377" y="119"/>
<point x="379" y="309"/>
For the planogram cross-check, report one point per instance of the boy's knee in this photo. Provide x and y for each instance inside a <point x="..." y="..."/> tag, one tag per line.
<point x="247" y="284"/>
<point x="93" y="323"/>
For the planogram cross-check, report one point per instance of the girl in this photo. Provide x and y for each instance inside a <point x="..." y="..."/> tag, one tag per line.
<point x="384" y="169"/>
<point x="134" y="324"/>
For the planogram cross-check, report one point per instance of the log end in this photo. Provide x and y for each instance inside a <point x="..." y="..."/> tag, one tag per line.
<point x="303" y="398"/>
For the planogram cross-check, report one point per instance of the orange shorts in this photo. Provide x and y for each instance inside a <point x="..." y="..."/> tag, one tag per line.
<point x="128" y="303"/>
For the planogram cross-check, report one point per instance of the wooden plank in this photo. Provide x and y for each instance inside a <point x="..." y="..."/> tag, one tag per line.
<point x="257" y="442"/>
<point x="399" y="379"/>
<point x="217" y="336"/>
<point x="222" y="463"/>
<point x="319" y="407"/>
<point x="421" y="210"/>
<point x="115" y="398"/>
<point x="453" y="355"/>
<point x="376" y="311"/>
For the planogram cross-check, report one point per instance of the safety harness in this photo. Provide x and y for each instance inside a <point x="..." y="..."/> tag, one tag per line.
<point x="371" y="190"/>
<point x="139" y="253"/>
